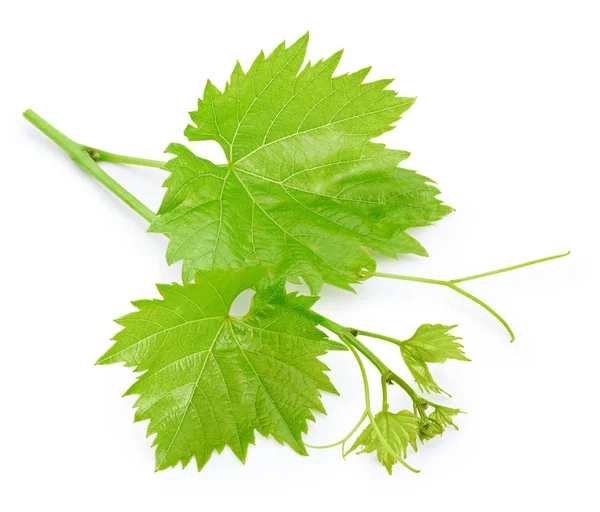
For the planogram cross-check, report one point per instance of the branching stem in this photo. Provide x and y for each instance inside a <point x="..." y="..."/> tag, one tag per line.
<point x="378" y="433"/>
<point x="387" y="375"/>
<point x="452" y="284"/>
<point x="85" y="160"/>
<point x="104" y="156"/>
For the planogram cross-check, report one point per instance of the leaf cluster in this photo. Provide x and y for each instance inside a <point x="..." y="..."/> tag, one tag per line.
<point x="306" y="194"/>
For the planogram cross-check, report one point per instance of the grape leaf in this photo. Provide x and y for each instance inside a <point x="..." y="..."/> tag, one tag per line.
<point x="210" y="379"/>
<point x="304" y="188"/>
<point x="430" y="344"/>
<point x="399" y="430"/>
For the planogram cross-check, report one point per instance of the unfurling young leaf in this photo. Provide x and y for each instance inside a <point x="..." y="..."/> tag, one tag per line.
<point x="443" y="415"/>
<point x="399" y="429"/>
<point x="304" y="188"/>
<point x="430" y="344"/>
<point x="212" y="379"/>
<point x="435" y="424"/>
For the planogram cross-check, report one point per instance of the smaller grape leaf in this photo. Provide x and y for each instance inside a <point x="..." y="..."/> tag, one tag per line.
<point x="211" y="379"/>
<point x="430" y="344"/>
<point x="399" y="429"/>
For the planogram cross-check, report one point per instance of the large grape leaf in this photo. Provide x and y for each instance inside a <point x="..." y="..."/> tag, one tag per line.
<point x="211" y="379"/>
<point x="305" y="189"/>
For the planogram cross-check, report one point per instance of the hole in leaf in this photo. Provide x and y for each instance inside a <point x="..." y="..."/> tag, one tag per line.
<point x="241" y="304"/>
<point x="210" y="150"/>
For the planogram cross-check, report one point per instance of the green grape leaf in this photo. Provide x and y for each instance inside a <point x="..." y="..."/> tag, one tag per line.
<point x="430" y="344"/>
<point x="399" y="429"/>
<point x="211" y="379"/>
<point x="304" y="189"/>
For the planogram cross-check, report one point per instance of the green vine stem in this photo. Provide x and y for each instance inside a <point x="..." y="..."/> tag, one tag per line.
<point x="100" y="155"/>
<point x="85" y="159"/>
<point x="378" y="336"/>
<point x="384" y="394"/>
<point x="452" y="284"/>
<point x="508" y="269"/>
<point x="341" y="441"/>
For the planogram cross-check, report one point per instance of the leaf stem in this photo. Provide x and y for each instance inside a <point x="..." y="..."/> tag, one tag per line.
<point x="386" y="373"/>
<point x="100" y="155"/>
<point x="341" y="441"/>
<point x="452" y="284"/>
<point x="378" y="336"/>
<point x="84" y="160"/>
<point x="384" y="394"/>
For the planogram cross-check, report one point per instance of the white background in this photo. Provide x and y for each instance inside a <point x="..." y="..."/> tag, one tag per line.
<point x="506" y="122"/>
